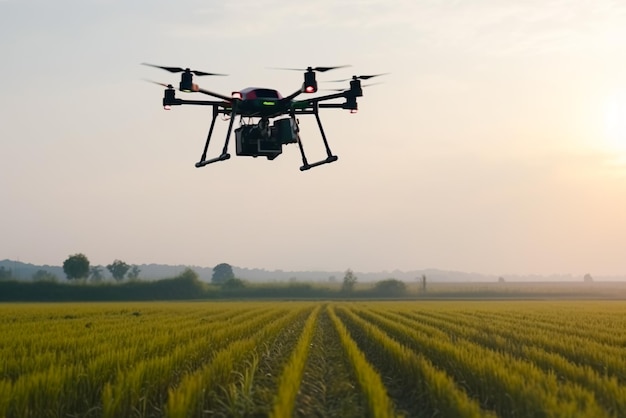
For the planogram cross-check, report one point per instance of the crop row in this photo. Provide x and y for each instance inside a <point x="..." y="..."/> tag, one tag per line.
<point x="461" y="359"/>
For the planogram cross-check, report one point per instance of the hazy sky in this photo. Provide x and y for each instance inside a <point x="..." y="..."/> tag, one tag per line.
<point x="496" y="145"/>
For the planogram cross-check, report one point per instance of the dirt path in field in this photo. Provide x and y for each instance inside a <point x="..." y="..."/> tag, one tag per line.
<point x="329" y="387"/>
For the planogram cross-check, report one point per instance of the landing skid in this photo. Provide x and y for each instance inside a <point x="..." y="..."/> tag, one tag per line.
<point x="330" y="158"/>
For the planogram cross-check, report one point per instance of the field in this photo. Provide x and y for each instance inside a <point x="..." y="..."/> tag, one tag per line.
<point x="422" y="359"/>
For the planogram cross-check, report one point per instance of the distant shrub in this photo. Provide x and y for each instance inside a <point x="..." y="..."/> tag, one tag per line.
<point x="5" y="273"/>
<point x="234" y="283"/>
<point x="390" y="287"/>
<point x="186" y="285"/>
<point x="44" y="276"/>
<point x="188" y="274"/>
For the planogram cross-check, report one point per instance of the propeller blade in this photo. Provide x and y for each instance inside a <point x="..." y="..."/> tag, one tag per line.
<point x="201" y="73"/>
<point x="169" y="86"/>
<point x="318" y="69"/>
<point x="170" y="69"/>
<point x="359" y="77"/>
<point x="324" y="69"/>
<point x="288" y="69"/>
<point x="180" y="70"/>
<point x="348" y="89"/>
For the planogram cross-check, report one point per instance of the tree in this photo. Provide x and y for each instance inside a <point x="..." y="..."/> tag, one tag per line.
<point x="424" y="283"/>
<point x="76" y="267"/>
<point x="588" y="278"/>
<point x="221" y="273"/>
<point x="118" y="269"/>
<point x="349" y="280"/>
<point x="95" y="274"/>
<point x="133" y="274"/>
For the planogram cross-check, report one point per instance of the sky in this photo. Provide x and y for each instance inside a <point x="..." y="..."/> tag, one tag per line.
<point x="496" y="144"/>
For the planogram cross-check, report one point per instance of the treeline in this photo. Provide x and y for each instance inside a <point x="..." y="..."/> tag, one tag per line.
<point x="52" y="291"/>
<point x="186" y="286"/>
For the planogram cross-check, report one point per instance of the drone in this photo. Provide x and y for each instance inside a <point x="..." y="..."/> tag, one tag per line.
<point x="267" y="120"/>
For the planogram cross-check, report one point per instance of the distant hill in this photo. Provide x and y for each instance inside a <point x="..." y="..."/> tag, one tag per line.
<point x="325" y="276"/>
<point x="25" y="271"/>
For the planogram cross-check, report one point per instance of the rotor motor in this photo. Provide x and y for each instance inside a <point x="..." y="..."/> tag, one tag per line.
<point x="186" y="81"/>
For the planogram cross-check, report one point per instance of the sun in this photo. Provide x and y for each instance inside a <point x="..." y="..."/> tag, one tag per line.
<point x="615" y="120"/>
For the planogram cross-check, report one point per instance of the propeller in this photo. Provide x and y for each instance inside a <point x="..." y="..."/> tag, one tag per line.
<point x="359" y="77"/>
<point x="348" y="89"/>
<point x="311" y="69"/>
<point x="169" y="86"/>
<point x="180" y="70"/>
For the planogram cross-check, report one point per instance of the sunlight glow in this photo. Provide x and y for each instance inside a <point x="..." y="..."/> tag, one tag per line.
<point x="615" y="120"/>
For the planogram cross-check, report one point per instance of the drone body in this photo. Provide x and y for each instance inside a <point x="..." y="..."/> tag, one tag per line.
<point x="270" y="119"/>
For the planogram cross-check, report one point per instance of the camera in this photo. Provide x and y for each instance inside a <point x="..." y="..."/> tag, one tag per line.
<point x="261" y="139"/>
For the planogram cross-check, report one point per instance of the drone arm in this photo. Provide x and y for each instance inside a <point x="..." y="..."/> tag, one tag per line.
<point x="307" y="108"/>
<point x="210" y="93"/>
<point x="304" y="105"/>
<point x="331" y="105"/>
<point x="310" y="102"/>
<point x="293" y="95"/>
<point x="201" y="103"/>
<point x="328" y="97"/>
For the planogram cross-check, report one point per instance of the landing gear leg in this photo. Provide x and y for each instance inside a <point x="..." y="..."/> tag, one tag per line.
<point x="330" y="157"/>
<point x="225" y="155"/>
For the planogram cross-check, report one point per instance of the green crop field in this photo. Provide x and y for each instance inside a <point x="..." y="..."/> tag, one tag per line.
<point x="282" y="359"/>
